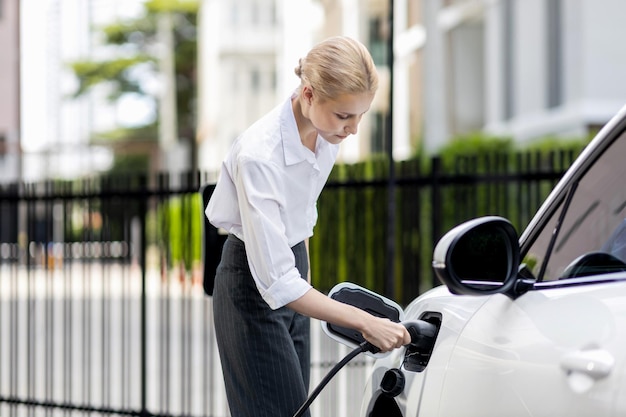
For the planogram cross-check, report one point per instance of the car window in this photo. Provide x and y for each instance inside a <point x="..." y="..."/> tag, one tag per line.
<point x="592" y="238"/>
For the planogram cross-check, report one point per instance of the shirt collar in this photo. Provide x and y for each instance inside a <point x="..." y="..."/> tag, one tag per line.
<point x="294" y="150"/>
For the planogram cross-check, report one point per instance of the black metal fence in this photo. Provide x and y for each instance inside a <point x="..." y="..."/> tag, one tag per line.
<point x="102" y="309"/>
<point x="431" y="197"/>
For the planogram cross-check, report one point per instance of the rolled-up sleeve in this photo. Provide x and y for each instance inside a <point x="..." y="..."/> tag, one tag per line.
<point x="261" y="205"/>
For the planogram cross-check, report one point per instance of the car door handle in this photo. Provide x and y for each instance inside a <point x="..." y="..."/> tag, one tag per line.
<point x="595" y="363"/>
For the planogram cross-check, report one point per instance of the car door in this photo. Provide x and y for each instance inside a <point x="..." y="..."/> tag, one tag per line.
<point x="559" y="348"/>
<point x="550" y="352"/>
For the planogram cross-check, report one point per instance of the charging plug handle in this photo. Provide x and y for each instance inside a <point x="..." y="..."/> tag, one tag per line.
<point x="422" y="336"/>
<point x="422" y="333"/>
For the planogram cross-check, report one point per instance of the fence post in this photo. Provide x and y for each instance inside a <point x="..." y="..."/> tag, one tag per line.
<point x="437" y="208"/>
<point x="143" y="183"/>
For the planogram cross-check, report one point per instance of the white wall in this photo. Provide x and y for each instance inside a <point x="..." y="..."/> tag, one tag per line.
<point x="593" y="64"/>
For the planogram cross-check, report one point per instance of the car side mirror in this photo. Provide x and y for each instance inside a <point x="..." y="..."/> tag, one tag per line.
<point x="478" y="257"/>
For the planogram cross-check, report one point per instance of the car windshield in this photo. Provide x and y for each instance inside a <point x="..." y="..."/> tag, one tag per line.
<point x="592" y="238"/>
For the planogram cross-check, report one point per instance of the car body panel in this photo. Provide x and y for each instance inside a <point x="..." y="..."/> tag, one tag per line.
<point x="509" y="347"/>
<point x="512" y="346"/>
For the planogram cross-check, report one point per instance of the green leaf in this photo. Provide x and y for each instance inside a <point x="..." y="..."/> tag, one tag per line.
<point x="115" y="71"/>
<point x="181" y="6"/>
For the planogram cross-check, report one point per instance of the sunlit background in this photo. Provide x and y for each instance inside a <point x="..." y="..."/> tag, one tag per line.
<point x="97" y="86"/>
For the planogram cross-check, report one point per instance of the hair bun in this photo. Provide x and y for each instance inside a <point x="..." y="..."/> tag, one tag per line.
<point x="298" y="69"/>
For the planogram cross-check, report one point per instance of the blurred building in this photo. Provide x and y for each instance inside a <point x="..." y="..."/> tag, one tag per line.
<point x="10" y="169"/>
<point x="526" y="69"/>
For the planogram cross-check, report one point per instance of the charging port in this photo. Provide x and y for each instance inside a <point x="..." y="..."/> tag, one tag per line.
<point x="416" y="356"/>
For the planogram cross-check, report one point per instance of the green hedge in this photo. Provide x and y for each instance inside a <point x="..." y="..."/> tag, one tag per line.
<point x="471" y="177"/>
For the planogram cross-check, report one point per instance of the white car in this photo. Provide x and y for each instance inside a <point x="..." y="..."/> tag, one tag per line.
<point x="528" y="326"/>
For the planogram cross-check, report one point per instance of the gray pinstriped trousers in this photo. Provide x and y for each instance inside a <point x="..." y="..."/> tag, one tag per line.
<point x="265" y="353"/>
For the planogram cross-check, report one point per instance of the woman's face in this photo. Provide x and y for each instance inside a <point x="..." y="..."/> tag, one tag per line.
<point x="336" y="119"/>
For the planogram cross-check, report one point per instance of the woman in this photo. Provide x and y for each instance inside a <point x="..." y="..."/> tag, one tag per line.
<point x="266" y="199"/>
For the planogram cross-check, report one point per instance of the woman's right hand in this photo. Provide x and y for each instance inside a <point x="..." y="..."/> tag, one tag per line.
<point x="385" y="334"/>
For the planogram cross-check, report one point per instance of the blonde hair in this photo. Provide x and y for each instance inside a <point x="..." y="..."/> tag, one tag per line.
<point x="338" y="65"/>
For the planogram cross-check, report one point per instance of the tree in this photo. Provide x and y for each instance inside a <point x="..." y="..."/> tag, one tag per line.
<point x="138" y="49"/>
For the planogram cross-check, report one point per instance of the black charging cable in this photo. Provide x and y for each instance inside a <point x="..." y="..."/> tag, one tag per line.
<point x="363" y="347"/>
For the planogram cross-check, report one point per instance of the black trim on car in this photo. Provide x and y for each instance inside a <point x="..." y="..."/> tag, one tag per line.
<point x="572" y="282"/>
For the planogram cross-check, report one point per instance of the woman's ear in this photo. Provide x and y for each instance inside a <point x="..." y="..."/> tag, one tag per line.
<point x="307" y="94"/>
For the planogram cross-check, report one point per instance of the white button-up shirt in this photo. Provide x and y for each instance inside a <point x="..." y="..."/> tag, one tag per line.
<point x="267" y="195"/>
